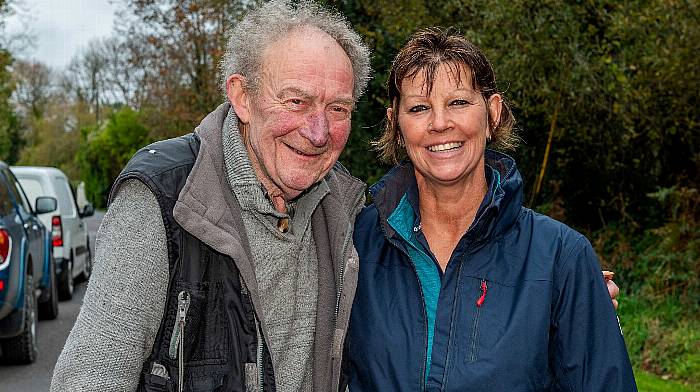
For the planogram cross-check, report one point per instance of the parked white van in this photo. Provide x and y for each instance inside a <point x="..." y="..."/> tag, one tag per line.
<point x="69" y="234"/>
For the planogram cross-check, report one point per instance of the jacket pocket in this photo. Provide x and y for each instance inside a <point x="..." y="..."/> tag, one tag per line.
<point x="196" y="378"/>
<point x="194" y="350"/>
<point x="155" y="383"/>
<point x="479" y="302"/>
<point x="196" y="318"/>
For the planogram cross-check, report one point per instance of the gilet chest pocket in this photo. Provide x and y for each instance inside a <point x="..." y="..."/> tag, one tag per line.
<point x="196" y="324"/>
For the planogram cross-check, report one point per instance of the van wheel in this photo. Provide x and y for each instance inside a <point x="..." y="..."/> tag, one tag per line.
<point x="48" y="310"/>
<point x="22" y="349"/>
<point x="87" y="267"/>
<point x="65" y="283"/>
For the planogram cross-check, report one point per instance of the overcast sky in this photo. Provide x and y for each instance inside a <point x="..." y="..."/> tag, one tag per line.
<point x="61" y="27"/>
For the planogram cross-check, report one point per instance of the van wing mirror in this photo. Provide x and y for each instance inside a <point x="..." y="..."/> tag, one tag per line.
<point x="88" y="210"/>
<point x="45" y="204"/>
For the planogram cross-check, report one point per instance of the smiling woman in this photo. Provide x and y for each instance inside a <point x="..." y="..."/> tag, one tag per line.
<point x="463" y="287"/>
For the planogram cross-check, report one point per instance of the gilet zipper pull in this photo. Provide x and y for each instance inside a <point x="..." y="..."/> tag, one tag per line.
<point x="176" y="349"/>
<point x="481" y="299"/>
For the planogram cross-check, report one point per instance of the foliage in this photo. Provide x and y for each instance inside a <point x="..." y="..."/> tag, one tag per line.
<point x="647" y="382"/>
<point x="174" y="48"/>
<point x="10" y="141"/>
<point x="104" y="152"/>
<point x="659" y="269"/>
<point x="9" y="134"/>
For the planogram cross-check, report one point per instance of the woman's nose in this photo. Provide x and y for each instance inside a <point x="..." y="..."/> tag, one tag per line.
<point x="439" y="121"/>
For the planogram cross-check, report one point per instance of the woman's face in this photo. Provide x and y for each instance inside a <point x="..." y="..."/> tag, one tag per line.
<point x="445" y="132"/>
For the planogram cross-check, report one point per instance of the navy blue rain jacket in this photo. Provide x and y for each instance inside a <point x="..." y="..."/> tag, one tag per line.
<point x="521" y="306"/>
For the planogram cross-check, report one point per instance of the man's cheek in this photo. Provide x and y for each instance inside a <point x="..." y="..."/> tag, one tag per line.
<point x="340" y="133"/>
<point x="285" y="123"/>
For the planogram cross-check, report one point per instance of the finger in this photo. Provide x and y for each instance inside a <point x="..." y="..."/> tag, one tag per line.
<point x="613" y="289"/>
<point x="615" y="303"/>
<point x="608" y="275"/>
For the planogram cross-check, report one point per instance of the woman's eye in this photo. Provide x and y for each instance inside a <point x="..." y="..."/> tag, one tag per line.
<point x="417" y="108"/>
<point x="459" y="102"/>
<point x="296" y="101"/>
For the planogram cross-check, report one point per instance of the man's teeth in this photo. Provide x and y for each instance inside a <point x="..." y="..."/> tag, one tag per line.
<point x="444" y="147"/>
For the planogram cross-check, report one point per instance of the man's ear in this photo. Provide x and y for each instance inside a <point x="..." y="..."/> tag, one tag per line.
<point x="238" y="97"/>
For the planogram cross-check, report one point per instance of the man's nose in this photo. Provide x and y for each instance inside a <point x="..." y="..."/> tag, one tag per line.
<point x="316" y="130"/>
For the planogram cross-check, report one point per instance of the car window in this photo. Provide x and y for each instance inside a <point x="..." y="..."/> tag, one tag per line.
<point x="17" y="192"/>
<point x="64" y="196"/>
<point x="32" y="187"/>
<point x="5" y="202"/>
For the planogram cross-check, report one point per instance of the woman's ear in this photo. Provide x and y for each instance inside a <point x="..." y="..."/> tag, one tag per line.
<point x="389" y="114"/>
<point x="238" y="97"/>
<point x="494" y="107"/>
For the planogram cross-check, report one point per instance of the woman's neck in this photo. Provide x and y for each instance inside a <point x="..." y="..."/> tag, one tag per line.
<point x="448" y="210"/>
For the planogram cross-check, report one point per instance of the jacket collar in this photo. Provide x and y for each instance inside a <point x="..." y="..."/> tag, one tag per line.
<point x="499" y="209"/>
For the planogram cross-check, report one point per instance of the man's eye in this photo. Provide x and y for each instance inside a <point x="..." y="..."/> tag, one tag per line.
<point x="340" y="111"/>
<point x="296" y="101"/>
<point x="417" y="108"/>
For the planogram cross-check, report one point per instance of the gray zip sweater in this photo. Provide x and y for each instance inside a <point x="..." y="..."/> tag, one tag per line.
<point x="124" y="303"/>
<point x="285" y="264"/>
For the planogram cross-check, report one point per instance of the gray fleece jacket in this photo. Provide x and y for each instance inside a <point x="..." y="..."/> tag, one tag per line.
<point x="124" y="303"/>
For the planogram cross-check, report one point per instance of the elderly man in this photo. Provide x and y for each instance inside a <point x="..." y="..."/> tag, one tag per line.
<point x="225" y="260"/>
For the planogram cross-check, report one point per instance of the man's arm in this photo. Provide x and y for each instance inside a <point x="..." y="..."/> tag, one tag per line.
<point x="125" y="299"/>
<point x="587" y="351"/>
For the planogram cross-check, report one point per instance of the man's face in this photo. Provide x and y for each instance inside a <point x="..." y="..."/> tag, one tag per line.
<point x="300" y="118"/>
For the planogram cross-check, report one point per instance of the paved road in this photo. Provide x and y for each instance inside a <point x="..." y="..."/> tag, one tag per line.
<point x="51" y="335"/>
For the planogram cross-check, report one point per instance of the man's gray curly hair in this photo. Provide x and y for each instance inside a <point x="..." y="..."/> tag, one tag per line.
<point x="273" y="21"/>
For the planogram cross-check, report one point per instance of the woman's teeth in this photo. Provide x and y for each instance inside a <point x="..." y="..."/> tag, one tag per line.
<point x="445" y="147"/>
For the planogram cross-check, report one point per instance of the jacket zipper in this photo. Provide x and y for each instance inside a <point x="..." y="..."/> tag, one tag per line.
<point x="335" y="359"/>
<point x="176" y="349"/>
<point x="475" y="327"/>
<point x="341" y="278"/>
<point x="346" y="245"/>
<point x="425" y="315"/>
<point x="259" y="356"/>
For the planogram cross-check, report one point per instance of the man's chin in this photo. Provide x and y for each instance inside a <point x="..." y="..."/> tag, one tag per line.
<point x="295" y="187"/>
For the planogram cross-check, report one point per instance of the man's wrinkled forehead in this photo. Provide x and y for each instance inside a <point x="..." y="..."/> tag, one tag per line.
<point x="307" y="58"/>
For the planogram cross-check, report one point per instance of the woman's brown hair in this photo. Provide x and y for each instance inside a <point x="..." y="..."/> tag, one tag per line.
<point x="426" y="50"/>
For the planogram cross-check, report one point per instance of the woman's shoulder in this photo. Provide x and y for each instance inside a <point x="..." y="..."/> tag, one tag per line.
<point x="559" y="239"/>
<point x="547" y="227"/>
<point x="368" y="232"/>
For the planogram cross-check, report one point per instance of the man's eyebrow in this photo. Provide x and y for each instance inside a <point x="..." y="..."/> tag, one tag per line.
<point x="294" y="91"/>
<point x="345" y="101"/>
